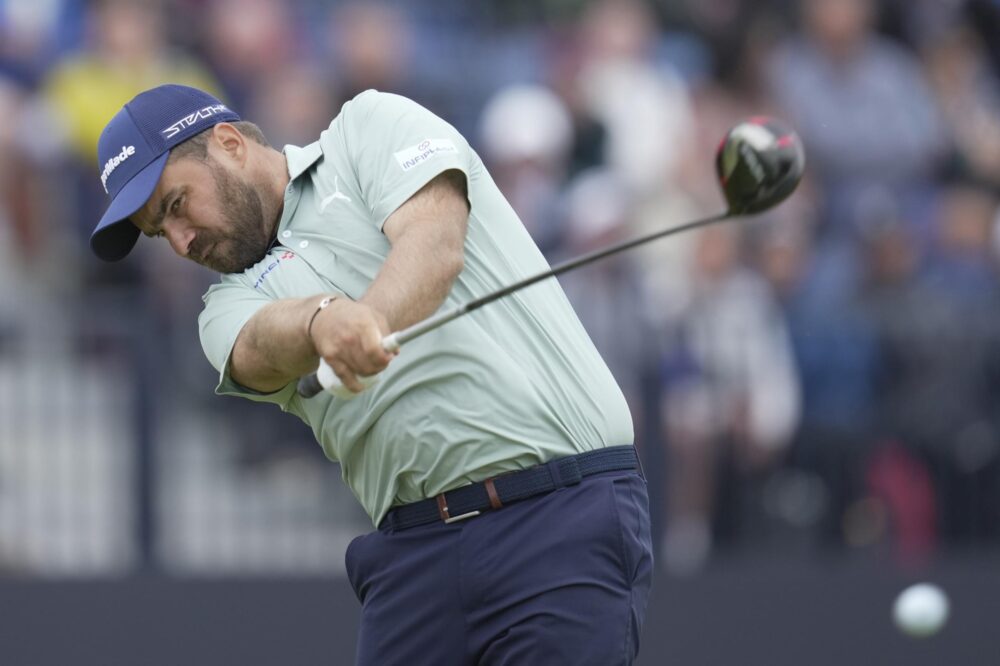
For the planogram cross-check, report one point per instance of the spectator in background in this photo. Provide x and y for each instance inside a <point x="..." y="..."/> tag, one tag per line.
<point x="30" y="193"/>
<point x="20" y="229"/>
<point x="125" y="53"/>
<point x="250" y="41"/>
<point x="525" y="133"/>
<point x="371" y="46"/>
<point x="984" y="17"/>
<point x="293" y="105"/>
<point x="16" y="227"/>
<point x="918" y="22"/>
<point x="961" y="262"/>
<point x="34" y="35"/>
<point x="875" y="143"/>
<point x="940" y="334"/>
<point x="722" y="26"/>
<point x="645" y="108"/>
<point x="564" y="61"/>
<point x="730" y="397"/>
<point x="967" y="92"/>
<point x="635" y="113"/>
<point x="835" y="353"/>
<point x="378" y="45"/>
<point x="861" y="104"/>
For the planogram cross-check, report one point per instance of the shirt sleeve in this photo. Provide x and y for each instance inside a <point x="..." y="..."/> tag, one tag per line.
<point x="228" y="307"/>
<point x="397" y="147"/>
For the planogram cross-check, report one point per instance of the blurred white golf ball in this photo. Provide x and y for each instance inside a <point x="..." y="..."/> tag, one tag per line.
<point x="921" y="609"/>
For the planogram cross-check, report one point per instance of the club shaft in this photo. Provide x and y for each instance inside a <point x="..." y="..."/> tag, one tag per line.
<point x="427" y="325"/>
<point x="308" y="385"/>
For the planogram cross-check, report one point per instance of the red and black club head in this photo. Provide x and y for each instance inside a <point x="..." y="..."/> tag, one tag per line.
<point x="759" y="163"/>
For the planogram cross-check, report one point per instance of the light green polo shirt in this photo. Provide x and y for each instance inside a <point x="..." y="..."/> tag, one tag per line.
<point x="512" y="385"/>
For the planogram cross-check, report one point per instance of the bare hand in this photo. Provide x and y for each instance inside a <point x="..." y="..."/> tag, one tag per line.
<point x="348" y="335"/>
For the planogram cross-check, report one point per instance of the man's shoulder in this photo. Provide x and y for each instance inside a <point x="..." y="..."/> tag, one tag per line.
<point x="361" y="104"/>
<point x="376" y="106"/>
<point x="372" y="97"/>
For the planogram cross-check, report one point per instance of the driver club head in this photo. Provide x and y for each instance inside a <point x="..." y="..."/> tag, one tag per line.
<point x="759" y="163"/>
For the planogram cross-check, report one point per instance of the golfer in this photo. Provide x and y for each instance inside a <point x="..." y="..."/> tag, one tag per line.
<point x="493" y="455"/>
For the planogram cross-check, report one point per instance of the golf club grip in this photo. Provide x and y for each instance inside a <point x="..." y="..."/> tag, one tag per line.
<point x="325" y="379"/>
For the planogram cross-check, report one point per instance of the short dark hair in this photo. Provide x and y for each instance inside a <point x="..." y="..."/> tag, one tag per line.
<point x="197" y="146"/>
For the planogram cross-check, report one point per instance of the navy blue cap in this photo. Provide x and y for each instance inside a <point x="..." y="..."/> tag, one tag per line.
<point x="133" y="149"/>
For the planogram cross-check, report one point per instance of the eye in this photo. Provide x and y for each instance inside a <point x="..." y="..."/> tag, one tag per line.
<point x="175" y="207"/>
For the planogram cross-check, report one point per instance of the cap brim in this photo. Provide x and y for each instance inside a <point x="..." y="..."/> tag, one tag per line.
<point x="115" y="236"/>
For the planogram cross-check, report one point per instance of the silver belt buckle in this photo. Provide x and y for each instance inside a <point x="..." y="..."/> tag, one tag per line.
<point x="448" y="518"/>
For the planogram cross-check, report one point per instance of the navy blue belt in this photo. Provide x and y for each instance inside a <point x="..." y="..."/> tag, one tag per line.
<point x="495" y="493"/>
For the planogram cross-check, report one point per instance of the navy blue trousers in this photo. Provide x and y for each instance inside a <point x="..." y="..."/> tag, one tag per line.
<point x="562" y="578"/>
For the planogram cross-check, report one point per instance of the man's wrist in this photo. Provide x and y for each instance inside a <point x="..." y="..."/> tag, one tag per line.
<point x="322" y="305"/>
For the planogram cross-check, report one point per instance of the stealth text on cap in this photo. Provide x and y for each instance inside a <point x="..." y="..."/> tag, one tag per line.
<point x="191" y="119"/>
<point x="113" y="163"/>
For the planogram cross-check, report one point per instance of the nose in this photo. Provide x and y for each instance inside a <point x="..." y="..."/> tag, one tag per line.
<point x="179" y="235"/>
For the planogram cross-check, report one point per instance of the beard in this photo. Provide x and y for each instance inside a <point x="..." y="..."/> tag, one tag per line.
<point x="246" y="237"/>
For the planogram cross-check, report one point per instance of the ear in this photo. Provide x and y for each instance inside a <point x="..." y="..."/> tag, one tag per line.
<point x="228" y="144"/>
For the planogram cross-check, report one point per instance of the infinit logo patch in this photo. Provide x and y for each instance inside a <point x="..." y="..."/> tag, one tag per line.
<point x="423" y="151"/>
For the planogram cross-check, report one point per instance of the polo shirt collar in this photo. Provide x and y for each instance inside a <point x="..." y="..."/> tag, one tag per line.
<point x="300" y="159"/>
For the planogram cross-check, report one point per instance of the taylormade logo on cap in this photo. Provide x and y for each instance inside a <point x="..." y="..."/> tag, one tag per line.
<point x="113" y="163"/>
<point x="192" y="118"/>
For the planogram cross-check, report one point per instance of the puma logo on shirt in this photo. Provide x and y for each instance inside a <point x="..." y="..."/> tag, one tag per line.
<point x="337" y="195"/>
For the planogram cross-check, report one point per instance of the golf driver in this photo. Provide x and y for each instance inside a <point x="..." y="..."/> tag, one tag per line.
<point x="758" y="163"/>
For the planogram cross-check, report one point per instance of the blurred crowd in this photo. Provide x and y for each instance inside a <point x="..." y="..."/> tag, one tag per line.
<point x="830" y="369"/>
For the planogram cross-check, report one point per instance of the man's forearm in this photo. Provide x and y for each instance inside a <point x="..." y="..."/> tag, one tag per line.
<point x="273" y="347"/>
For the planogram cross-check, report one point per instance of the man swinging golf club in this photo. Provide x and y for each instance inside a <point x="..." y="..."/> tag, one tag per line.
<point x="494" y="455"/>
